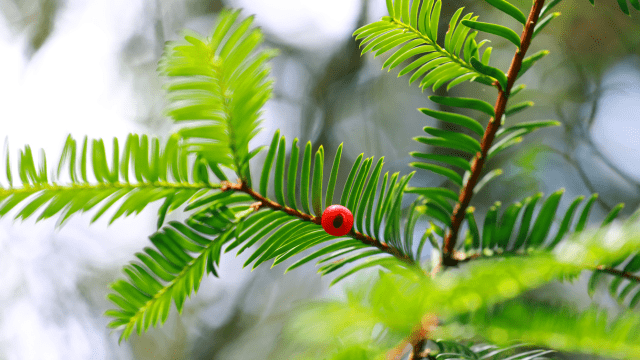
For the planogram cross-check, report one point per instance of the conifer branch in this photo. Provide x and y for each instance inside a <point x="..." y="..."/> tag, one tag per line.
<point x="416" y="352"/>
<point x="262" y="201"/>
<point x="619" y="273"/>
<point x="32" y="189"/>
<point x="436" y="46"/>
<point x="494" y="124"/>
<point x="604" y="269"/>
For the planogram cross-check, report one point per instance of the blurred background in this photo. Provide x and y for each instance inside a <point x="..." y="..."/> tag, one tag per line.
<point x="88" y="68"/>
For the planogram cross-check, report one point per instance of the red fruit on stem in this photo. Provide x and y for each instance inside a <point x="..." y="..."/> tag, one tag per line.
<point x="337" y="220"/>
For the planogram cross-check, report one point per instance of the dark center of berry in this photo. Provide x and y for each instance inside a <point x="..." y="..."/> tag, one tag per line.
<point x="337" y="222"/>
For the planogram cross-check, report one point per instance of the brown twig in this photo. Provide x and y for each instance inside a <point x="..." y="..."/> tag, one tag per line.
<point x="601" y="268"/>
<point x="262" y="201"/>
<point x="620" y="273"/>
<point x="417" y="339"/>
<point x="416" y="352"/>
<point x="487" y="140"/>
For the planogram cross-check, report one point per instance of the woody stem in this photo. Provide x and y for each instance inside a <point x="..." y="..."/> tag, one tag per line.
<point x="489" y="135"/>
<point x="265" y="202"/>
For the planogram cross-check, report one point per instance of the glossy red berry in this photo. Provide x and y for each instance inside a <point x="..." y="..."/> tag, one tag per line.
<point x="337" y="220"/>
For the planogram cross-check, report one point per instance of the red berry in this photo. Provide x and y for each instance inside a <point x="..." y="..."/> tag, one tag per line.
<point x="337" y="220"/>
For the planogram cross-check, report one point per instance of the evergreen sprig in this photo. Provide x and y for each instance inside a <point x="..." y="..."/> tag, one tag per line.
<point x="219" y="85"/>
<point x="592" y="331"/>
<point x="237" y="217"/>
<point x="465" y="301"/>
<point x="141" y="172"/>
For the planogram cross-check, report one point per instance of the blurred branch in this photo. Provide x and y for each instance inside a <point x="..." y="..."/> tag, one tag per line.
<point x="584" y="130"/>
<point x="581" y="131"/>
<point x="35" y="17"/>
<point x="417" y="353"/>
<point x="345" y="63"/>
<point x="583" y="175"/>
<point x="44" y="25"/>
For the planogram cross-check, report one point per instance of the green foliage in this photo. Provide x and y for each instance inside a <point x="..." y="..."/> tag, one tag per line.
<point x="507" y="237"/>
<point x="216" y="89"/>
<point x="141" y="172"/>
<point x="620" y="288"/>
<point x="400" y="300"/>
<point x="591" y="331"/>
<point x="222" y="83"/>
<point x="417" y="32"/>
<point x="411" y="30"/>
<point x="381" y="223"/>
<point x="624" y="268"/>
<point x="512" y="236"/>
<point x="347" y="340"/>
<point x="183" y="252"/>
<point x="499" y="30"/>
<point x="468" y="300"/>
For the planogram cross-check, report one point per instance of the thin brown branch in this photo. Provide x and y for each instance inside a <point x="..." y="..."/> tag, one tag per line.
<point x="487" y="140"/>
<point x="416" y="352"/>
<point x="417" y="339"/>
<point x="601" y="268"/>
<point x="262" y="201"/>
<point x="581" y="173"/>
<point x="620" y="273"/>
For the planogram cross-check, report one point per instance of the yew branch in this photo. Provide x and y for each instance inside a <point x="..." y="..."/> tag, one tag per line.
<point x="466" y="193"/>
<point x="262" y="201"/>
<point x="616" y="272"/>
<point x="603" y="269"/>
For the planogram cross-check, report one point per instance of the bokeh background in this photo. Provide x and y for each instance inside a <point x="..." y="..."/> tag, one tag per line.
<point x="88" y="68"/>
